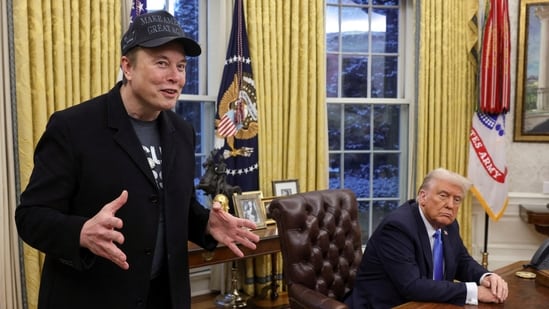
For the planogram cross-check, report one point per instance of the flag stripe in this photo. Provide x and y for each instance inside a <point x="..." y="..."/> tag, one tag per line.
<point x="226" y="127"/>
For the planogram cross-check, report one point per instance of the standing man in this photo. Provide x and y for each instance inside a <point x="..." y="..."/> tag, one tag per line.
<point x="111" y="198"/>
<point x="398" y="263"/>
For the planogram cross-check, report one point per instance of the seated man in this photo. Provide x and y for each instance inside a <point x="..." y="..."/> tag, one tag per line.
<point x="398" y="263"/>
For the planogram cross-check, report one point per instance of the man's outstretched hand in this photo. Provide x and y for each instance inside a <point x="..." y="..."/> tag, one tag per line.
<point x="230" y="230"/>
<point x="101" y="232"/>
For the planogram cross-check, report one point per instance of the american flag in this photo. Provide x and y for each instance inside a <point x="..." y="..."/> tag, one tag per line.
<point x="138" y="7"/>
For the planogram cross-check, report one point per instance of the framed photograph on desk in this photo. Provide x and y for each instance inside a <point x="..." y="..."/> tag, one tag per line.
<point x="285" y="187"/>
<point x="248" y="205"/>
<point x="266" y="201"/>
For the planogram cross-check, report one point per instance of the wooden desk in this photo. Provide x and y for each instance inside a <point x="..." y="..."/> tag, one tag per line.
<point x="523" y="293"/>
<point x="537" y="216"/>
<point x="268" y="244"/>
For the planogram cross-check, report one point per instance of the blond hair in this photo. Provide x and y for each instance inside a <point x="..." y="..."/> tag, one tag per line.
<point x="444" y="174"/>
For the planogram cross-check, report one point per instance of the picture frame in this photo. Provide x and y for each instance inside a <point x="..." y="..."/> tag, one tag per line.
<point x="248" y="205"/>
<point x="531" y="122"/>
<point x="285" y="187"/>
<point x="266" y="201"/>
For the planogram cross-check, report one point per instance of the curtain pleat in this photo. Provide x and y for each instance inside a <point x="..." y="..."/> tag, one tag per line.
<point x="65" y="52"/>
<point x="287" y="49"/>
<point x="10" y="277"/>
<point x="446" y="91"/>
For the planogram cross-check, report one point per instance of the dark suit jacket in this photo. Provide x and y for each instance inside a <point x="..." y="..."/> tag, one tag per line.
<point x="397" y="264"/>
<point x="88" y="154"/>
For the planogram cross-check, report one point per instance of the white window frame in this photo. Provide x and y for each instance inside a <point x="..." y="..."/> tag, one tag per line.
<point x="406" y="98"/>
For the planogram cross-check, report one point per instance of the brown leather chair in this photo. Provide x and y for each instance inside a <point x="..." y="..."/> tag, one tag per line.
<point x="321" y="246"/>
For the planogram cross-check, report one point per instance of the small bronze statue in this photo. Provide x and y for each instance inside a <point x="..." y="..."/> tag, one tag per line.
<point x="214" y="183"/>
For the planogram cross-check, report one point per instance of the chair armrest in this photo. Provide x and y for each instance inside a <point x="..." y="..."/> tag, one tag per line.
<point x="303" y="297"/>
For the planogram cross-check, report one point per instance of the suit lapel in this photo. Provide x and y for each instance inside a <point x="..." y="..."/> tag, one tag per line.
<point x="424" y="241"/>
<point x="168" y="142"/>
<point x="124" y="134"/>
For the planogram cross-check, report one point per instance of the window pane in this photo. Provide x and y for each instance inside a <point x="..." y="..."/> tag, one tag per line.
<point x="332" y="29"/>
<point x="194" y="112"/>
<point x="384" y="76"/>
<point x="191" y="111"/>
<point x="187" y="12"/>
<point x="380" y="210"/>
<point x="385" y="2"/>
<point x="386" y="175"/>
<point x="201" y="196"/>
<point x="335" y="171"/>
<point x="357" y="169"/>
<point x="355" y="76"/>
<point x="385" y="31"/>
<point x="354" y="28"/>
<point x="364" y="219"/>
<point x="355" y="1"/>
<point x="387" y="127"/>
<point x="366" y="149"/>
<point x="332" y="75"/>
<point x="335" y="112"/>
<point x="357" y="127"/>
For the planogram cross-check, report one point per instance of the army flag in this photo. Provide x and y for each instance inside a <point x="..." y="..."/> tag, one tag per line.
<point x="487" y="161"/>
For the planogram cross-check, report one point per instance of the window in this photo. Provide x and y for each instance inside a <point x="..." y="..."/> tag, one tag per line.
<point x="197" y="102"/>
<point x="368" y="104"/>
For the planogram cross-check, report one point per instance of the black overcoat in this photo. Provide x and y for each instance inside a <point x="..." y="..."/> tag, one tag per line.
<point x="87" y="155"/>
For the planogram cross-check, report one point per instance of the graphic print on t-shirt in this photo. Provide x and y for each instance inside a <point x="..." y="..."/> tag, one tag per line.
<point x="154" y="157"/>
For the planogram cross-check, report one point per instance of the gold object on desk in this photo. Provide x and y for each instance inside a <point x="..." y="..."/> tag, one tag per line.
<point x="268" y="244"/>
<point x="223" y="200"/>
<point x="234" y="299"/>
<point x="525" y="274"/>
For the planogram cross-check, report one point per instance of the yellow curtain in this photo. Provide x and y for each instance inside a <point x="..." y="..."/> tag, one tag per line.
<point x="447" y="91"/>
<point x="289" y="63"/>
<point x="65" y="52"/>
<point x="287" y="49"/>
<point x="10" y="274"/>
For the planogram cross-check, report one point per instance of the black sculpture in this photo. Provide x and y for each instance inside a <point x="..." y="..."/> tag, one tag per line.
<point x="213" y="182"/>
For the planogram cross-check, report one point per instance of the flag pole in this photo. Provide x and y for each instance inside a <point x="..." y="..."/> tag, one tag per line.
<point x="485" y="252"/>
<point x="487" y="163"/>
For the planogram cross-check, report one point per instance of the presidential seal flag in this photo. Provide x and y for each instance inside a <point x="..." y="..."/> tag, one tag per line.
<point x="237" y="115"/>
<point x="487" y="162"/>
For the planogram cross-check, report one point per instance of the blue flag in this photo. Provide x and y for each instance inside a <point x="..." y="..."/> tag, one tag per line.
<point x="138" y="7"/>
<point x="237" y="116"/>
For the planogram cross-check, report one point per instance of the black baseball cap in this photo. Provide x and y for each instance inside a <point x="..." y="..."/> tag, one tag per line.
<point x="155" y="29"/>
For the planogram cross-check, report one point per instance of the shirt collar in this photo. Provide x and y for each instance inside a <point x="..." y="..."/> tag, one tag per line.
<point x="428" y="226"/>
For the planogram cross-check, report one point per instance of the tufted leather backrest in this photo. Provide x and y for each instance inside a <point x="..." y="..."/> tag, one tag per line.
<point x="320" y="240"/>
